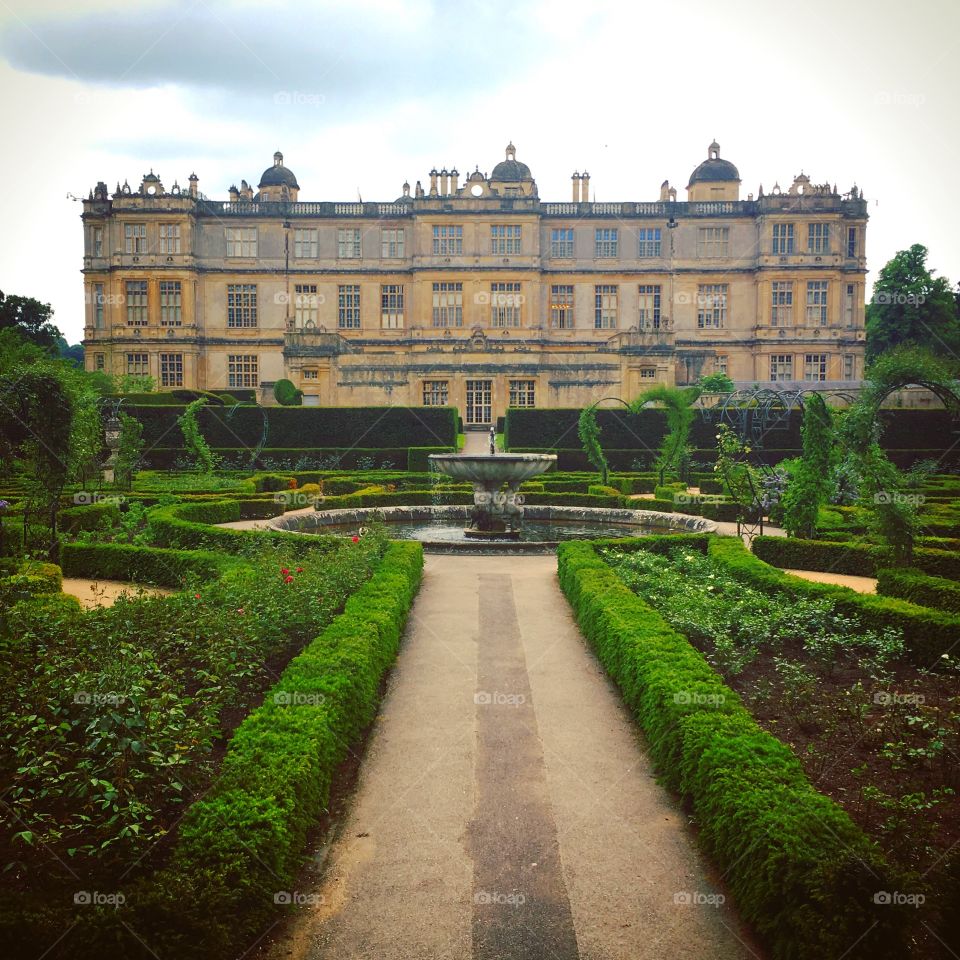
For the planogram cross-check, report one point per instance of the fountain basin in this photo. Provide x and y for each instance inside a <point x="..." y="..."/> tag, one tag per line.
<point x="497" y="508"/>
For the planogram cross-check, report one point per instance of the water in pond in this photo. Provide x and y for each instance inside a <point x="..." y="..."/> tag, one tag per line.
<point x="534" y="531"/>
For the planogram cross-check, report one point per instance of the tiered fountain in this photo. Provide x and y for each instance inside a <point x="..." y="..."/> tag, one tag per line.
<point x="497" y="506"/>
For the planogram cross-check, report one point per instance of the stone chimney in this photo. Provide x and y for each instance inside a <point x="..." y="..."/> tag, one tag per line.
<point x="454" y="177"/>
<point x="444" y="183"/>
<point x="193" y="185"/>
<point x="576" y="185"/>
<point x="585" y="187"/>
<point x="433" y="182"/>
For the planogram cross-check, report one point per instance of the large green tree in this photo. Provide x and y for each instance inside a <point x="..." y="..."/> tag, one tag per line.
<point x="912" y="307"/>
<point x="32" y="319"/>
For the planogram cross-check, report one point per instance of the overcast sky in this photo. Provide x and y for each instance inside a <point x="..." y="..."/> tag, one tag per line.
<point x="361" y="95"/>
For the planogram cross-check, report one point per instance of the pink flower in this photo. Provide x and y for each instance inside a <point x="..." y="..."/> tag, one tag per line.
<point x="240" y="610"/>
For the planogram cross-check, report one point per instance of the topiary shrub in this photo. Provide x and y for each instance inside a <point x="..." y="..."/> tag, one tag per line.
<point x="286" y="394"/>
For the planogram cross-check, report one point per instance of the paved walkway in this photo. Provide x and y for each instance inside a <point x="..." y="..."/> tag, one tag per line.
<point x="860" y="584"/>
<point x="505" y="808"/>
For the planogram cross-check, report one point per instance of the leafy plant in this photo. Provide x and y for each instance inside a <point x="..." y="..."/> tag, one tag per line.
<point x="589" y="432"/>
<point x="674" y="453"/>
<point x="193" y="439"/>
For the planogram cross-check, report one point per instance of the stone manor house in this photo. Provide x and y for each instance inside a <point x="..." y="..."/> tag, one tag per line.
<point x="474" y="292"/>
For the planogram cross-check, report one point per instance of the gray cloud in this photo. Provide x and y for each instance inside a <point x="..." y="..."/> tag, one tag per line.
<point x="331" y="54"/>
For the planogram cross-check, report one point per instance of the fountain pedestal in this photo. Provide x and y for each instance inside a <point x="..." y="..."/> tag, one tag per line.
<point x="497" y="507"/>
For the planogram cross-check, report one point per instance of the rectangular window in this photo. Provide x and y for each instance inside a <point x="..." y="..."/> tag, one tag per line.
<point x="306" y="244"/>
<point x="135" y="238"/>
<point x="241" y="304"/>
<point x="138" y="365"/>
<point x="504" y="240"/>
<point x="171" y="369"/>
<point x="561" y="242"/>
<point x="817" y="303"/>
<point x="849" y="303"/>
<point x="848" y="366"/>
<point x="720" y="363"/>
<point x="713" y="241"/>
<point x="243" y="370"/>
<point x="781" y="367"/>
<point x="479" y="401"/>
<point x="305" y="305"/>
<point x="171" y="310"/>
<point x="818" y="238"/>
<point x="241" y="241"/>
<point x="391" y="243"/>
<point x="170" y="238"/>
<point x="348" y="243"/>
<point x="712" y="305"/>
<point x="781" y="306"/>
<point x="648" y="242"/>
<point x="136" y="303"/>
<point x="100" y="361"/>
<point x="523" y="393"/>
<point x="649" y="307"/>
<point x="505" y="301"/>
<point x="435" y="393"/>
<point x="648" y="373"/>
<point x="348" y="306"/>
<point x="391" y="306"/>
<point x="783" y="238"/>
<point x="98" y="300"/>
<point x="851" y="241"/>
<point x="606" y="242"/>
<point x="448" y="304"/>
<point x="605" y="307"/>
<point x="98" y="241"/>
<point x="448" y="241"/>
<point x="311" y="374"/>
<point x="561" y="306"/>
<point x="815" y="366"/>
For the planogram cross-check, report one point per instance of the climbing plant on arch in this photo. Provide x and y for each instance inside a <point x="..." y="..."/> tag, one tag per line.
<point x="674" y="453"/>
<point x="881" y="483"/>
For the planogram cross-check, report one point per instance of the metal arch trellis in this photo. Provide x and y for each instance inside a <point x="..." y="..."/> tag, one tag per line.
<point x="753" y="414"/>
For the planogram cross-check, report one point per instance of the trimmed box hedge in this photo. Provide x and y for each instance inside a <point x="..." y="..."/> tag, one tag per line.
<point x="918" y="588"/>
<point x="244" y="841"/>
<point x="802" y="873"/>
<point x="239" y="458"/>
<point x="155" y="565"/>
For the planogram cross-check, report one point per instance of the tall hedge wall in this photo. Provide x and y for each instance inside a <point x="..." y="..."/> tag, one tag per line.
<point x="903" y="430"/>
<point x="304" y="427"/>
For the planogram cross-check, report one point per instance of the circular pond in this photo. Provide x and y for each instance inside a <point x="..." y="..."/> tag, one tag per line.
<point x="441" y="528"/>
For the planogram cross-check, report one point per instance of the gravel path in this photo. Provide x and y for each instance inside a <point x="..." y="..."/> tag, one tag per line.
<point x="104" y="593"/>
<point x="505" y="807"/>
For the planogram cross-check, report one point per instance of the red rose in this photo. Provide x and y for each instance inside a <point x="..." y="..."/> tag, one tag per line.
<point x="196" y="596"/>
<point x="355" y="539"/>
<point x="288" y="579"/>
<point x="284" y="571"/>
<point x="299" y="569"/>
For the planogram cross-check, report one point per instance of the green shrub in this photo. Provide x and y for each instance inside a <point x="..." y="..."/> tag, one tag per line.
<point x="919" y="588"/>
<point x="601" y="490"/>
<point x="805" y="881"/>
<point x="269" y="482"/>
<point x="31" y="579"/>
<point x="90" y="516"/>
<point x="286" y="394"/>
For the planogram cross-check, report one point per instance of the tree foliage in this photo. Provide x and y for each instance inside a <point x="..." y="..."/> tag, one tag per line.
<point x="912" y="307"/>
<point x="589" y="432"/>
<point x="715" y="383"/>
<point x="32" y="319"/>
<point x="674" y="453"/>
<point x="129" y="451"/>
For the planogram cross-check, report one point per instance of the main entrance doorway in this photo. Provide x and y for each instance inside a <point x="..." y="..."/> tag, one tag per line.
<point x="479" y="406"/>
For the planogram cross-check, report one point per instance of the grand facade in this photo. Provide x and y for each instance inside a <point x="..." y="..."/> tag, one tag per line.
<point x="475" y="293"/>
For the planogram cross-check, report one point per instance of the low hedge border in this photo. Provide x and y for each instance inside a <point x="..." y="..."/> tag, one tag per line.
<point x="243" y="842"/>
<point x="928" y="634"/>
<point x="850" y="557"/>
<point x="189" y="526"/>
<point x="918" y="588"/>
<point x="803" y="874"/>
<point x="154" y="565"/>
